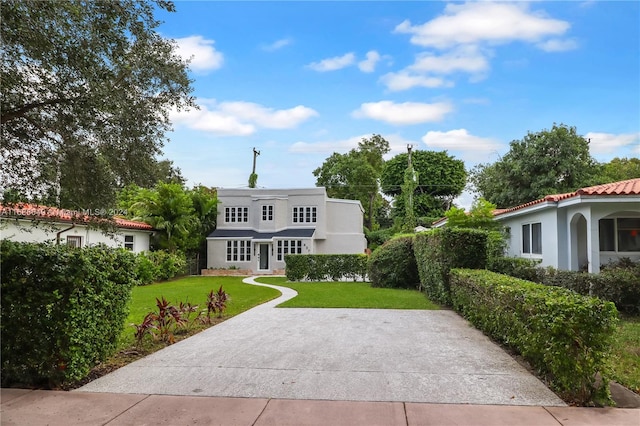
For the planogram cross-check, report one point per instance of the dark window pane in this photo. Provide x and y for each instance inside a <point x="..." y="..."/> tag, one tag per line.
<point x="526" y="238"/>
<point x="536" y="238"/>
<point x="607" y="235"/>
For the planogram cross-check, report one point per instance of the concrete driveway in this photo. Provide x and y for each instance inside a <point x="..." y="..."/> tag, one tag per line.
<point x="335" y="354"/>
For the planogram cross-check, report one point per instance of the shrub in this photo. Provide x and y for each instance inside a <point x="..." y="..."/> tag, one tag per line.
<point x="518" y="267"/>
<point x="377" y="238"/>
<point x="440" y="249"/>
<point x="393" y="264"/>
<point x="566" y="336"/>
<point x="618" y="282"/>
<point x="325" y="267"/>
<point x="63" y="309"/>
<point x="159" y="266"/>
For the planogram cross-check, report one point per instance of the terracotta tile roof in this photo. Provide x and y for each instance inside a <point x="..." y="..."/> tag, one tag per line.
<point x="625" y="187"/>
<point x="35" y="211"/>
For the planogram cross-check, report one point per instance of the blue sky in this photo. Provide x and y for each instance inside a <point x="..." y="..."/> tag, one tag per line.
<point x="301" y="80"/>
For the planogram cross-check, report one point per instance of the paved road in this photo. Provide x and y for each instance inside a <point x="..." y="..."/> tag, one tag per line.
<point x="335" y="354"/>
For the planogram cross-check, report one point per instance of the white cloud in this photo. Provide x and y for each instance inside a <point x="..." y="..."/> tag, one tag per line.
<point x="460" y="140"/>
<point x="268" y="117"/>
<point x="403" y="113"/>
<point x="326" y="147"/>
<point x="335" y="63"/>
<point x="403" y="80"/>
<point x="397" y="145"/>
<point x="463" y="59"/>
<point x="369" y="64"/>
<point x="201" y="52"/>
<point x="276" y="45"/>
<point x="558" y="45"/>
<point x="239" y="118"/>
<point x="606" y="143"/>
<point x="483" y="22"/>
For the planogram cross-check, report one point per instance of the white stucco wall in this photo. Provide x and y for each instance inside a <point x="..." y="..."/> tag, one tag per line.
<point x="337" y="230"/>
<point x="24" y="231"/>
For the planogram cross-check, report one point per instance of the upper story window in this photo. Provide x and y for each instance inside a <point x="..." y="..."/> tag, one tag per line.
<point x="128" y="242"/>
<point x="236" y="214"/>
<point x="620" y="234"/>
<point x="532" y="238"/>
<point x="267" y="213"/>
<point x="305" y="214"/>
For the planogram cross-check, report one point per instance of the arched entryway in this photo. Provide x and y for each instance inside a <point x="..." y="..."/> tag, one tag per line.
<point x="579" y="249"/>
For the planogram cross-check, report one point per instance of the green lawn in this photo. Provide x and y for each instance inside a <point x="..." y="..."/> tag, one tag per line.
<point x="194" y="290"/>
<point x="350" y="295"/>
<point x="626" y="349"/>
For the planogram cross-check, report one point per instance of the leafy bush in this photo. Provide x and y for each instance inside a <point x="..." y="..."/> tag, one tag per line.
<point x="496" y="246"/>
<point x="63" y="309"/>
<point x="377" y="238"/>
<point x="518" y="267"/>
<point x="440" y="249"/>
<point x="564" y="335"/>
<point x="618" y="282"/>
<point x="159" y="266"/>
<point x="393" y="264"/>
<point x="325" y="267"/>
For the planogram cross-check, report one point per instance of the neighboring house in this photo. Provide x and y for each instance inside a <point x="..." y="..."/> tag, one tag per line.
<point x="258" y="227"/>
<point x="37" y="224"/>
<point x="581" y="230"/>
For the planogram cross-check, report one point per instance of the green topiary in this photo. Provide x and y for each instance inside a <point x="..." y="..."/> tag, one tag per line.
<point x="393" y="264"/>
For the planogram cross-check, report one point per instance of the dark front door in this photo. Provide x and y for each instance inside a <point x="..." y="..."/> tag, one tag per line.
<point x="264" y="257"/>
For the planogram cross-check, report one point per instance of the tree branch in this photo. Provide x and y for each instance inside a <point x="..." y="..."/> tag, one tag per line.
<point x="12" y="115"/>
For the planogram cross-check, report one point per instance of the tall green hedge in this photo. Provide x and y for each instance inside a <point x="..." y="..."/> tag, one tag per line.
<point x="564" y="335"/>
<point x="325" y="267"/>
<point x="439" y="250"/>
<point x="618" y="283"/>
<point x="393" y="264"/>
<point x="63" y="309"/>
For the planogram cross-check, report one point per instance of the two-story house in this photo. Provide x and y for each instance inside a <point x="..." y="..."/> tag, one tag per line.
<point x="258" y="227"/>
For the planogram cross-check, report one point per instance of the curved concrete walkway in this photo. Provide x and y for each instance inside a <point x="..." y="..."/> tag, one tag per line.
<point x="335" y="354"/>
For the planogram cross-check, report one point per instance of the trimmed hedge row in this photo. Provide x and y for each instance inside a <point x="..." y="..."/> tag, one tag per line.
<point x="619" y="284"/>
<point x="439" y="250"/>
<point x="393" y="264"/>
<point x="326" y="267"/>
<point x="564" y="335"/>
<point x="63" y="309"/>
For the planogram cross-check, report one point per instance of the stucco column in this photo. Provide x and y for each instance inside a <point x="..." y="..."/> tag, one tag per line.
<point x="593" y="241"/>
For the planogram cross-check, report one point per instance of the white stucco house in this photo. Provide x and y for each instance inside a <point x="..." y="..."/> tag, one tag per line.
<point x="580" y="230"/>
<point x="258" y="227"/>
<point x="37" y="224"/>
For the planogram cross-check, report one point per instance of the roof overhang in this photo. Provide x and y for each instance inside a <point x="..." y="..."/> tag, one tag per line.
<point x="251" y="234"/>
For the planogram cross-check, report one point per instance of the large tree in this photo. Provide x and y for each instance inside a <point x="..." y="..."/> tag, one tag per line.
<point x="542" y="163"/>
<point x="355" y="175"/>
<point x="440" y="178"/>
<point x="86" y="85"/>
<point x="620" y="169"/>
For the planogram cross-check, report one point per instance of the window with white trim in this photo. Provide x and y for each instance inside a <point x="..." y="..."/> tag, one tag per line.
<point x="238" y="251"/>
<point x="236" y="214"/>
<point x="267" y="213"/>
<point x="619" y="234"/>
<point x="285" y="247"/>
<point x="532" y="238"/>
<point x="128" y="242"/>
<point x="305" y="214"/>
<point x="74" y="241"/>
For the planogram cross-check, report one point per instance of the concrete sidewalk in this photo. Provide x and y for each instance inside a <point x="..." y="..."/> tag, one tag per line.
<point x="53" y="408"/>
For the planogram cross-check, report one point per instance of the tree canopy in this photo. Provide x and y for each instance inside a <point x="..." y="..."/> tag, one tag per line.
<point x="182" y="217"/>
<point x="620" y="169"/>
<point x="86" y="92"/>
<point x="440" y="178"/>
<point x="355" y="175"/>
<point x="542" y="163"/>
<point x="480" y="216"/>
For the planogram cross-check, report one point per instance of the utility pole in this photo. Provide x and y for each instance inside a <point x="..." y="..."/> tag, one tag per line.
<point x="253" y="177"/>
